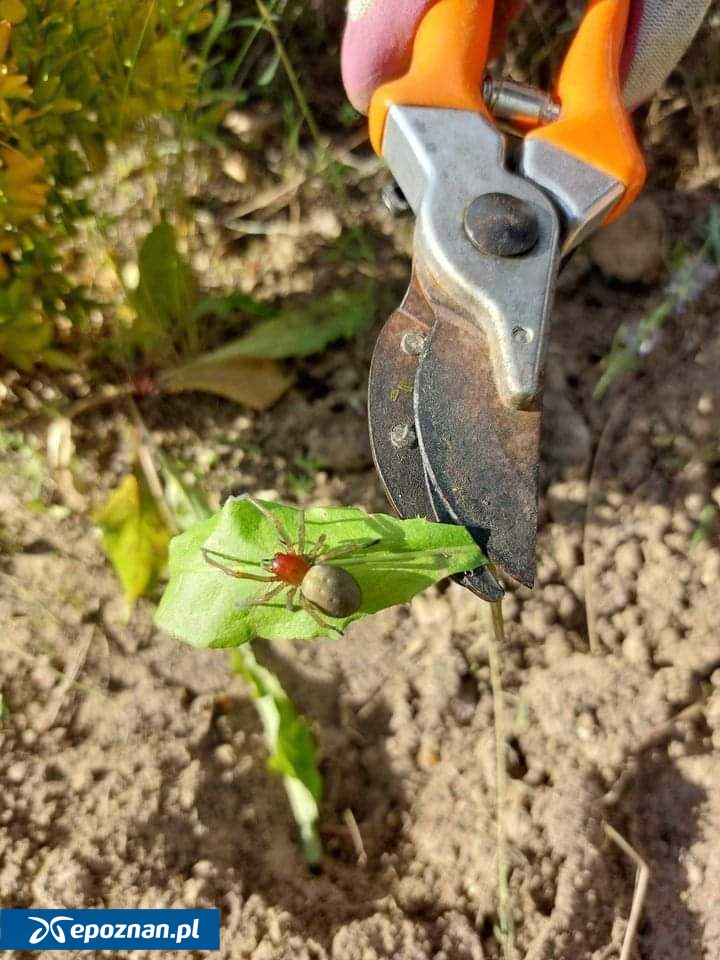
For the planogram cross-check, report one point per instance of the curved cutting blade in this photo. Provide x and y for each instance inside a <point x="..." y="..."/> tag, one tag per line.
<point x="480" y="454"/>
<point x="393" y="432"/>
<point x="391" y="386"/>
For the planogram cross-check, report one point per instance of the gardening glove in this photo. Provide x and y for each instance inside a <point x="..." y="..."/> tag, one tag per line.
<point x="378" y="42"/>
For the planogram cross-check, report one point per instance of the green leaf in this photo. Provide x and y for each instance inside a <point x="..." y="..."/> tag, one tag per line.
<point x="134" y="536"/>
<point x="24" y="335"/>
<point x="301" y="331"/>
<point x="291" y="745"/>
<point x="201" y="603"/>
<point x="166" y="292"/>
<point x="233" y="303"/>
<point x="13" y="10"/>
<point x="269" y="71"/>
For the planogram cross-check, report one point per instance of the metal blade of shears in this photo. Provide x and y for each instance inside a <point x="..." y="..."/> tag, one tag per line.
<point x="393" y="429"/>
<point x="480" y="455"/>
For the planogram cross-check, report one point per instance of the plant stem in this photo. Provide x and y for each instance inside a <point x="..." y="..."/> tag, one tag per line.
<point x="292" y="76"/>
<point x="495" y="646"/>
<point x="144" y="451"/>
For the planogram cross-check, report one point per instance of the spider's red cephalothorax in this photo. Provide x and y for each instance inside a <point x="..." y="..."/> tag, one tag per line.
<point x="304" y="569"/>
<point x="290" y="567"/>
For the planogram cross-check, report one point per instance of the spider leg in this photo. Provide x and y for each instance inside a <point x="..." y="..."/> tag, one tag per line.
<point x="309" y="607"/>
<point x="263" y="598"/>
<point x="209" y="556"/>
<point x="346" y="549"/>
<point x="301" y="532"/>
<point x="282" y="533"/>
<point x="316" y="548"/>
<point x="290" y="600"/>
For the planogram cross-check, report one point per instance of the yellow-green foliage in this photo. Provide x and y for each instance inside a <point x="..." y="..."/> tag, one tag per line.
<point x="74" y="76"/>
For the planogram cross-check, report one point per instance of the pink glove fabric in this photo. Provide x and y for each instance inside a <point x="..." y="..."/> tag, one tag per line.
<point x="378" y="41"/>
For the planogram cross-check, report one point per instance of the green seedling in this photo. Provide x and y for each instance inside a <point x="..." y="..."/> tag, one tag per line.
<point x="229" y="575"/>
<point x="707" y="524"/>
<point x="291" y="747"/>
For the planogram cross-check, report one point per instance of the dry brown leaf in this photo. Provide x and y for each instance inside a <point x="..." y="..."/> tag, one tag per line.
<point x="254" y="382"/>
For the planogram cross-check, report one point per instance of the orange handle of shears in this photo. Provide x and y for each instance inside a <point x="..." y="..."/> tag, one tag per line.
<point x="448" y="63"/>
<point x="593" y="124"/>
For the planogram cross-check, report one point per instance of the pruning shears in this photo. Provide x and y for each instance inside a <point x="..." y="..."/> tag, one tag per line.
<point x="456" y="377"/>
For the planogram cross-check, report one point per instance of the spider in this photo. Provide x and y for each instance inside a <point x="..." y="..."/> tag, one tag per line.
<point x="305" y="570"/>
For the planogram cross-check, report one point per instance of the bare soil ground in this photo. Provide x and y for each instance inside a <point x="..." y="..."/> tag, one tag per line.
<point x="132" y="768"/>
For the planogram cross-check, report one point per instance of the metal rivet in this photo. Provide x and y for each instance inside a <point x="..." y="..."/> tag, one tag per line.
<point x="394" y="199"/>
<point x="502" y="225"/>
<point x="522" y="335"/>
<point x="412" y="343"/>
<point x="403" y="436"/>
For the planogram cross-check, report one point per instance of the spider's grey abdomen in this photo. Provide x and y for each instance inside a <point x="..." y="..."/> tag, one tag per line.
<point x="332" y="590"/>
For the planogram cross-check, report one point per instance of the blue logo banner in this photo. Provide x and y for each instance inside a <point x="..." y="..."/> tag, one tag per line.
<point x="109" y="930"/>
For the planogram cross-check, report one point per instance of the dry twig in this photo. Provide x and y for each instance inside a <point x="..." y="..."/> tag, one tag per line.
<point x="641" y="881"/>
<point x="355" y="836"/>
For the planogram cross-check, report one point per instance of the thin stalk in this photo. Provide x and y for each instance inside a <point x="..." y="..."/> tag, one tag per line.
<point x="292" y="76"/>
<point x="133" y="61"/>
<point x="505" y="912"/>
<point x="144" y="450"/>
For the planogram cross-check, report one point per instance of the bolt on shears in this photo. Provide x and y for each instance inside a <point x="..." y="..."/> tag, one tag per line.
<point x="456" y="378"/>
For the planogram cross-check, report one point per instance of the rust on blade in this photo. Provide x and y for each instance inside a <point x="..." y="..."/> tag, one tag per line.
<point x="390" y="404"/>
<point x="480" y="455"/>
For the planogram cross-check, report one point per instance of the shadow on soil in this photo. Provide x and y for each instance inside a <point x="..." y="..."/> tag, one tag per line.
<point x="241" y="822"/>
<point x="661" y="811"/>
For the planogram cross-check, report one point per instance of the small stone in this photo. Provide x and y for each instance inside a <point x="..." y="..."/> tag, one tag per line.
<point x="225" y="755"/>
<point x="326" y="223"/>
<point x="635" y="648"/>
<point x="659" y="519"/>
<point x="585" y="725"/>
<point x="705" y="405"/>
<point x="567" y="555"/>
<point x="235" y="166"/>
<point x="694" y="871"/>
<point x="203" y="869"/>
<point x="191" y="889"/>
<point x="633" y="249"/>
<point x="16" y="772"/>
<point x="628" y="559"/>
<point x="462" y="710"/>
<point x="694" y="503"/>
<point x="682" y="523"/>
